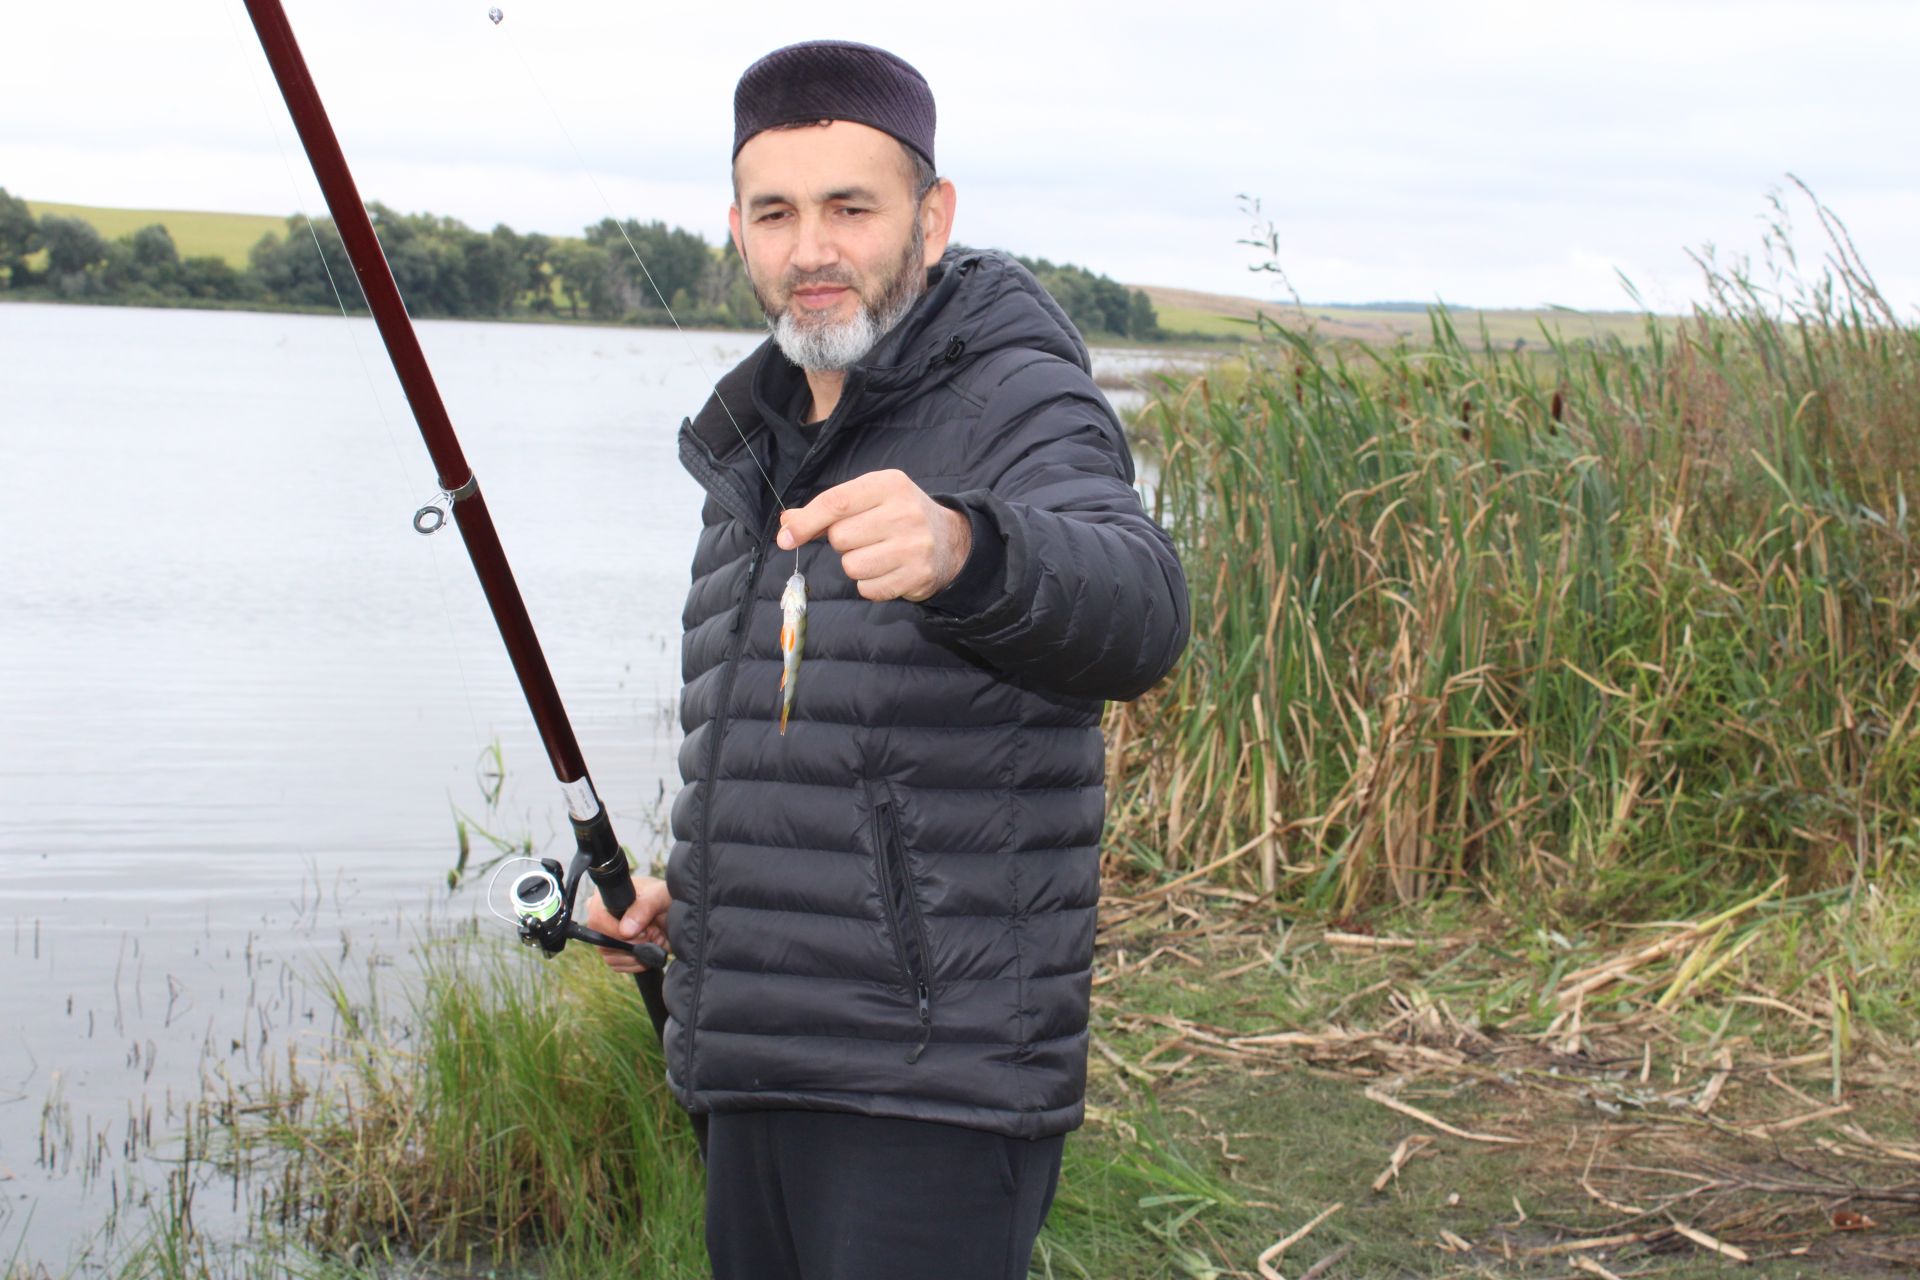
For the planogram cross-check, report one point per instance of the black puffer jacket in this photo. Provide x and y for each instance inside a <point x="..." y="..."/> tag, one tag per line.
<point x="890" y="910"/>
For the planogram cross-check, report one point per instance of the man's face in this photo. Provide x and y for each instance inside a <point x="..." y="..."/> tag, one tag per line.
<point x="836" y="244"/>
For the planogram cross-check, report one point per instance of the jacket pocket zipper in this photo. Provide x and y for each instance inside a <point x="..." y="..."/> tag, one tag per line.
<point x="915" y="954"/>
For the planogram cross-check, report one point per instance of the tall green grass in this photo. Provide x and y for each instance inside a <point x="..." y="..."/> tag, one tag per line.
<point x="512" y="1116"/>
<point x="1624" y="626"/>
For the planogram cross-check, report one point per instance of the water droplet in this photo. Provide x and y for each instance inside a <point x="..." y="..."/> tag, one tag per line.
<point x="496" y="15"/>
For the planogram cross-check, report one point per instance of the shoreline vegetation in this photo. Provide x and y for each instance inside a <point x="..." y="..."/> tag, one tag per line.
<point x="1516" y="877"/>
<point x="445" y="269"/>
<point x="204" y="260"/>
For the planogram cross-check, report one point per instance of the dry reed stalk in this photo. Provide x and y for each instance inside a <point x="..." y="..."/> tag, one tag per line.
<point x="1326" y="1264"/>
<point x="1581" y="1246"/>
<point x="1584" y="981"/>
<point x="1371" y="942"/>
<point x="1270" y="795"/>
<point x="1615" y="1205"/>
<point x="1231" y="856"/>
<point x="1708" y="974"/>
<point x="1297" y="1039"/>
<point x="1695" y="960"/>
<point x="1176" y="826"/>
<point x="1818" y="1057"/>
<point x="1410" y="1146"/>
<point x="1707" y="1242"/>
<point x="1271" y="1254"/>
<point x="1263" y="960"/>
<point x="1841" y="1031"/>
<point x="1781" y="1126"/>
<point x="1723" y="1070"/>
<point x="1570" y="1045"/>
<point x="1108" y="1052"/>
<point x="1861" y="1136"/>
<point x="1406" y="1109"/>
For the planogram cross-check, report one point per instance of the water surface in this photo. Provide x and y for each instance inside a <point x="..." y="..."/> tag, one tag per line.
<point x="240" y="696"/>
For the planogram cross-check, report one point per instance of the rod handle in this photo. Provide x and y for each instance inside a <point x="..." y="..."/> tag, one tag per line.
<point x="608" y="869"/>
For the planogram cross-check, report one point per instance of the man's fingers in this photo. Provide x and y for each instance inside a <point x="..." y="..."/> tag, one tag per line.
<point x="644" y="921"/>
<point x="803" y="524"/>
<point x="598" y="917"/>
<point x="863" y="528"/>
<point x="864" y="564"/>
<point x="892" y="586"/>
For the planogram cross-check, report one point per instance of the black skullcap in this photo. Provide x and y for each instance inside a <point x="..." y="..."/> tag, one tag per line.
<point x="835" y="80"/>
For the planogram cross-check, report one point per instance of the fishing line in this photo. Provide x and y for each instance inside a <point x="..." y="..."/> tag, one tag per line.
<point x="496" y="16"/>
<point x="360" y="357"/>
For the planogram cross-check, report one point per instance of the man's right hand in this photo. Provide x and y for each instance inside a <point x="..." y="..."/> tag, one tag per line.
<point x="645" y="921"/>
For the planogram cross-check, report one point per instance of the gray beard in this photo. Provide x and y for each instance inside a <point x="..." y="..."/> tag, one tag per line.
<point x="831" y="348"/>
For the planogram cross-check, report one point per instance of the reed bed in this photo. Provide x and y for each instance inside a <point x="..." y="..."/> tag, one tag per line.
<point x="1617" y="627"/>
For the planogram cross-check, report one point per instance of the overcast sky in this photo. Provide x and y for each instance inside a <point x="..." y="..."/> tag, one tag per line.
<point x="1509" y="154"/>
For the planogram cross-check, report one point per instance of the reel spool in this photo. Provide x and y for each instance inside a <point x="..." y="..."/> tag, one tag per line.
<point x="537" y="897"/>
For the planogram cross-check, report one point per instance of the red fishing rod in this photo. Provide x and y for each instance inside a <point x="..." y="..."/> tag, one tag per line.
<point x="543" y="903"/>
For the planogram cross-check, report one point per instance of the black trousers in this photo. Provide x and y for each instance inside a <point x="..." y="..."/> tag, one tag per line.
<point x="816" y="1195"/>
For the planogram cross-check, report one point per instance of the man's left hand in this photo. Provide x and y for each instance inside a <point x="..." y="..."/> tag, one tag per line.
<point x="894" y="541"/>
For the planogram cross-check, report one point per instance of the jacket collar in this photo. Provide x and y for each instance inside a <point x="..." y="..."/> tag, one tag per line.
<point x="975" y="301"/>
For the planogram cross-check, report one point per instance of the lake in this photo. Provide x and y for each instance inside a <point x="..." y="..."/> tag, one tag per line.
<point x="241" y="699"/>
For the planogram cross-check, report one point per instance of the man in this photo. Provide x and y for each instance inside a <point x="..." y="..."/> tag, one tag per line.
<point x="882" y="920"/>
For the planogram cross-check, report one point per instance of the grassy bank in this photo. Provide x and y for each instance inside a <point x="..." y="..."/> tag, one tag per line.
<point x="1445" y="1092"/>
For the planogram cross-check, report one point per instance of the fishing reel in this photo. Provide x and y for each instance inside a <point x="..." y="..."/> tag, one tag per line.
<point x="543" y="900"/>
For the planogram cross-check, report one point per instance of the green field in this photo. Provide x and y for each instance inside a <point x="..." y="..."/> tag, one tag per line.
<point x="1223" y="316"/>
<point x="195" y="233"/>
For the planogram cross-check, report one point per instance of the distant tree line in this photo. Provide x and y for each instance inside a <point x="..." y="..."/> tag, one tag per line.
<point x="1098" y="305"/>
<point x="445" y="268"/>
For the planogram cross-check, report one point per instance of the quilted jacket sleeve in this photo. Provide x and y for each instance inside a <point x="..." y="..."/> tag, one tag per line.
<point x="1093" y="602"/>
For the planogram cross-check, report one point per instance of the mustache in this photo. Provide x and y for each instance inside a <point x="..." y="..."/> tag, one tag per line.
<point x="838" y="276"/>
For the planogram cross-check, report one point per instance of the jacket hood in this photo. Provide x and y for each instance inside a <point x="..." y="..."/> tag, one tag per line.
<point x="985" y="301"/>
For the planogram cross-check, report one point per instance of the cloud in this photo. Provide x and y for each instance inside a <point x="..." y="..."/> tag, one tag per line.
<point x="1500" y="153"/>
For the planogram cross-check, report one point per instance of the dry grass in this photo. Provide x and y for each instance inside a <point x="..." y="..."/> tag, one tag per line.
<point x="1474" y="1115"/>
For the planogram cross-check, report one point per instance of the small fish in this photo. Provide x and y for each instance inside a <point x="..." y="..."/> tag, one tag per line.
<point x="793" y="638"/>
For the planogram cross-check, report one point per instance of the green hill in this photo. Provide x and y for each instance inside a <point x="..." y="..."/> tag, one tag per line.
<point x="1217" y="315"/>
<point x="195" y="234"/>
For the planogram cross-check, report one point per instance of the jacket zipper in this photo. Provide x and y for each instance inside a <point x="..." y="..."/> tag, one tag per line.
<point x="915" y="960"/>
<point x="736" y="648"/>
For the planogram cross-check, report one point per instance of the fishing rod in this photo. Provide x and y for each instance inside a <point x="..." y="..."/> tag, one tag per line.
<point x="543" y="901"/>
